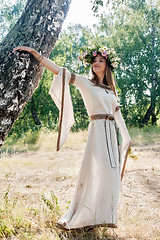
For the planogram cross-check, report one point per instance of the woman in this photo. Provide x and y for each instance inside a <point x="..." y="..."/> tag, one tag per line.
<point x="95" y="200"/>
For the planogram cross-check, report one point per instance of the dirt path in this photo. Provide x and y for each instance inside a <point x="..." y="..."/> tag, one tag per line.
<point x="31" y="174"/>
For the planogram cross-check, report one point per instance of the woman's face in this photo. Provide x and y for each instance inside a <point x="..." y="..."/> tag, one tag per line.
<point x="99" y="64"/>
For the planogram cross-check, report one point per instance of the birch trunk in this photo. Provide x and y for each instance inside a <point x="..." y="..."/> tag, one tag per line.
<point x="20" y="73"/>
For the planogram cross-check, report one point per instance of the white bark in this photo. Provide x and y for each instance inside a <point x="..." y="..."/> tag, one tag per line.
<point x="38" y="27"/>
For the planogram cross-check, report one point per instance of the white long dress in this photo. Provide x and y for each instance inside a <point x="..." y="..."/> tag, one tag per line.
<point x="96" y="196"/>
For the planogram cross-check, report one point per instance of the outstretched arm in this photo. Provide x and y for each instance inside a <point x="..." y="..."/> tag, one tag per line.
<point x="45" y="61"/>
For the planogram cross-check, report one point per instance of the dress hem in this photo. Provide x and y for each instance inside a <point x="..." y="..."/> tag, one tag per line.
<point x="62" y="226"/>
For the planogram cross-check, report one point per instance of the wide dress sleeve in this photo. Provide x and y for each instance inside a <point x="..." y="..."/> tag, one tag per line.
<point x="126" y="140"/>
<point x="60" y="93"/>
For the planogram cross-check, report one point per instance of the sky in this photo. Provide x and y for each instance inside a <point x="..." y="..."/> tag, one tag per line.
<point x="80" y="12"/>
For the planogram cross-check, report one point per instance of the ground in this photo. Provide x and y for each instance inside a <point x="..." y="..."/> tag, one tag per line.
<point x="30" y="175"/>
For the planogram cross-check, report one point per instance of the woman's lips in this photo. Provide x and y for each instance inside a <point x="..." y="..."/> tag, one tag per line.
<point x="96" y="66"/>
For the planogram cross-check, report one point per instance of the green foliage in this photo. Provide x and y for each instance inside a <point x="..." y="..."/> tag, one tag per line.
<point x="132" y="29"/>
<point x="9" y="14"/>
<point x="96" y="4"/>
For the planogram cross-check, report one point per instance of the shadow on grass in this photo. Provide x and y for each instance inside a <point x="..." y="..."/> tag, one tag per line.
<point x="94" y="234"/>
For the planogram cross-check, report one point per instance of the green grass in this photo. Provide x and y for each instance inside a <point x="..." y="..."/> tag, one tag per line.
<point x="26" y="142"/>
<point x="33" y="140"/>
<point x="145" y="135"/>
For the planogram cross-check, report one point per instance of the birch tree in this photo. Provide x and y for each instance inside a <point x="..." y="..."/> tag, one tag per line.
<point x="38" y="27"/>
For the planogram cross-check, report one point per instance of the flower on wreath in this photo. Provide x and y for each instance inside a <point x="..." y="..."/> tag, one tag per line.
<point x="87" y="55"/>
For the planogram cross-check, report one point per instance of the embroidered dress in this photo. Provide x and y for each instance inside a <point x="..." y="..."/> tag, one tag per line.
<point x="96" y="196"/>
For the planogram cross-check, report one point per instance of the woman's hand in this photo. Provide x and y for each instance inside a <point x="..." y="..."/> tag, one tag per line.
<point x="23" y="48"/>
<point x="44" y="61"/>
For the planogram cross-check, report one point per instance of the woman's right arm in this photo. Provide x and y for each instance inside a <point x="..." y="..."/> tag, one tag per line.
<point x="43" y="60"/>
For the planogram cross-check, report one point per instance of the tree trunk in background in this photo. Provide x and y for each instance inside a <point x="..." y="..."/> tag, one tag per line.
<point x="150" y="112"/>
<point x="154" y="83"/>
<point x="154" y="119"/>
<point x="38" y="27"/>
<point x="34" y="112"/>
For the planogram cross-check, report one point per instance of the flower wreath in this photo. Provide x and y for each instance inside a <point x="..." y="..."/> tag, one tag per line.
<point x="87" y="55"/>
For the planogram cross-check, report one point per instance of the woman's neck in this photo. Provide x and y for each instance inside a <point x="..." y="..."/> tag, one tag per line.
<point x="100" y="77"/>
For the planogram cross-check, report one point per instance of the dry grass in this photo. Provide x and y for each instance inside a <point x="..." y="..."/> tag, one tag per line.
<point x="36" y="187"/>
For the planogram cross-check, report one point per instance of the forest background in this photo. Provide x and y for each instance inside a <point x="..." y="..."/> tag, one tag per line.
<point x="36" y="182"/>
<point x="132" y="29"/>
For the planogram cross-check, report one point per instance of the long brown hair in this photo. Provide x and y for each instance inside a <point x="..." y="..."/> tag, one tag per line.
<point x="108" y="79"/>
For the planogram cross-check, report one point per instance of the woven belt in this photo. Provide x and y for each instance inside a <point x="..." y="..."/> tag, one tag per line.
<point x="102" y="116"/>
